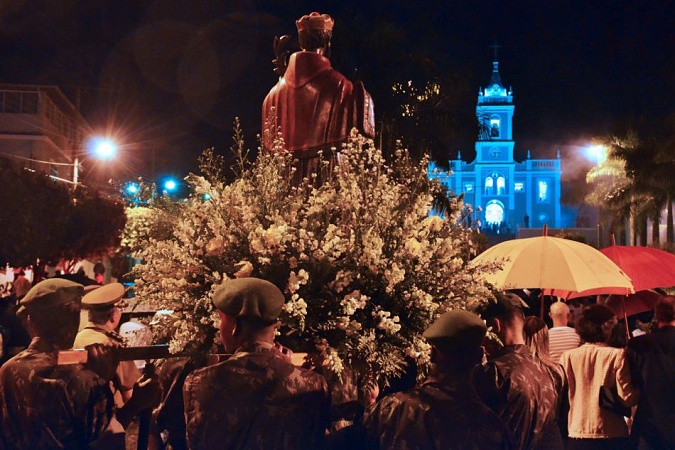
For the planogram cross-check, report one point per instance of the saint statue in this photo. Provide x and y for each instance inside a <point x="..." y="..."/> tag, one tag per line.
<point x="313" y="106"/>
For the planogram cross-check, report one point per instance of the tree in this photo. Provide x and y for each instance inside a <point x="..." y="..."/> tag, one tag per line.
<point x="635" y="182"/>
<point x="44" y="220"/>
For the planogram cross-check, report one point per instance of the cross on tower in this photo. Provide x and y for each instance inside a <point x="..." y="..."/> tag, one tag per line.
<point x="495" y="47"/>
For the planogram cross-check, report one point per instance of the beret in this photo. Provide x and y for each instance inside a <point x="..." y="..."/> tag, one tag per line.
<point x="315" y="21"/>
<point x="249" y="297"/>
<point x="457" y="327"/>
<point x="505" y="302"/>
<point x="49" y="294"/>
<point x="106" y="295"/>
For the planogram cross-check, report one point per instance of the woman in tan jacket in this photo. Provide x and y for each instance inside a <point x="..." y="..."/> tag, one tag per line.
<point x="588" y="368"/>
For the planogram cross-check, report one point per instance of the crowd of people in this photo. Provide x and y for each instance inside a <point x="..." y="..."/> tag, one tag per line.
<point x="537" y="386"/>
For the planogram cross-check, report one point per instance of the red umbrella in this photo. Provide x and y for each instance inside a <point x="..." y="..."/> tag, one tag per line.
<point x="647" y="267"/>
<point x="632" y="304"/>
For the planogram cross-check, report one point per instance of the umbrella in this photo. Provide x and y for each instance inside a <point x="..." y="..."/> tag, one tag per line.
<point x="647" y="267"/>
<point x="554" y="263"/>
<point x="629" y="305"/>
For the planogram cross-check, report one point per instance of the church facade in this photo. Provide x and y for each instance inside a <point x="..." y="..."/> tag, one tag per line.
<point x="505" y="194"/>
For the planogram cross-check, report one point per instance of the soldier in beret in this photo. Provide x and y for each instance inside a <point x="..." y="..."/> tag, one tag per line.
<point x="443" y="411"/>
<point x="44" y="406"/>
<point x="257" y="398"/>
<point x="512" y="383"/>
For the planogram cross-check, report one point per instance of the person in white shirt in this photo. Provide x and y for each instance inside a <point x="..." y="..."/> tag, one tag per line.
<point x="560" y="336"/>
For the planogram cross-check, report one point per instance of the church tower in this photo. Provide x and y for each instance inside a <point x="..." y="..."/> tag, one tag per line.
<point x="506" y="194"/>
<point x="494" y="147"/>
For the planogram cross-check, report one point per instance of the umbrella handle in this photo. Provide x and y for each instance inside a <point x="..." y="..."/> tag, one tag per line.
<point x="625" y="316"/>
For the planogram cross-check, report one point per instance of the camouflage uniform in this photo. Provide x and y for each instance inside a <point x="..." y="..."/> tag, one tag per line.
<point x="43" y="406"/>
<point x="255" y="399"/>
<point x="439" y="414"/>
<point x="521" y="392"/>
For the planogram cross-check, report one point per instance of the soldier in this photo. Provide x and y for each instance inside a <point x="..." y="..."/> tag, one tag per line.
<point x="104" y="306"/>
<point x="443" y="412"/>
<point x="257" y="398"/>
<point x="512" y="383"/>
<point x="43" y="406"/>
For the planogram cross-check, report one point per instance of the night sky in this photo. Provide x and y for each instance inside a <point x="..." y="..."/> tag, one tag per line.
<point x="173" y="75"/>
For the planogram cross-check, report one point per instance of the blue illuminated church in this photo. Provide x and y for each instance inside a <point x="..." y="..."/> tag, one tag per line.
<point x="511" y="195"/>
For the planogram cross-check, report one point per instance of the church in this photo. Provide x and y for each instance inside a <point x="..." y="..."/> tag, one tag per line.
<point x="506" y="195"/>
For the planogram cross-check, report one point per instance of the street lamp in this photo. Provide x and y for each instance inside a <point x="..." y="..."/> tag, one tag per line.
<point x="598" y="154"/>
<point x="102" y="148"/>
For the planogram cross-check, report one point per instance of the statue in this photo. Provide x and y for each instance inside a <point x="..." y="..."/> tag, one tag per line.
<point x="313" y="106"/>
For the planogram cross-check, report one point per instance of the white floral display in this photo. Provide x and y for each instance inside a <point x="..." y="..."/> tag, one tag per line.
<point x="364" y="266"/>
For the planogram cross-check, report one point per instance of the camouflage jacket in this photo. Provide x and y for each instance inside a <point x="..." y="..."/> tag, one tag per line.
<point x="439" y="414"/>
<point x="43" y="406"/>
<point x="256" y="399"/>
<point x="521" y="392"/>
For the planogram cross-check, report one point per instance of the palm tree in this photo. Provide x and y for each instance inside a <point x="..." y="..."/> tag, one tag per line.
<point x="648" y="185"/>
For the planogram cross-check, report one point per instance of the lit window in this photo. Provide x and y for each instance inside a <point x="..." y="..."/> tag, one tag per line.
<point x="501" y="186"/>
<point x="519" y="186"/>
<point x="494" y="127"/>
<point x="489" y="184"/>
<point x="543" y="191"/>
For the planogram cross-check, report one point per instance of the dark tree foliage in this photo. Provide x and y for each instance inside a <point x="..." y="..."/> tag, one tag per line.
<point x="44" y="220"/>
<point x="95" y="225"/>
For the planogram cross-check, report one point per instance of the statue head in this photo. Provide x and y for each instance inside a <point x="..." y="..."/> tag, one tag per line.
<point x="315" y="31"/>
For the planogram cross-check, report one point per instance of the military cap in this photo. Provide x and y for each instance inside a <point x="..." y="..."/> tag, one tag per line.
<point x="249" y="297"/>
<point x="315" y="21"/>
<point x="49" y="294"/>
<point x="457" y="327"/>
<point x="505" y="302"/>
<point x="104" y="296"/>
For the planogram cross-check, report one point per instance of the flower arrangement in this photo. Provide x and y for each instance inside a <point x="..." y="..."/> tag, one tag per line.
<point x="363" y="265"/>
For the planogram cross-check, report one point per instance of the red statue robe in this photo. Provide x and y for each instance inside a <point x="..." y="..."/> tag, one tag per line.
<point x="315" y="108"/>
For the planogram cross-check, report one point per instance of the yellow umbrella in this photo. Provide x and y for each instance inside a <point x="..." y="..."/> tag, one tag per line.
<point x="547" y="262"/>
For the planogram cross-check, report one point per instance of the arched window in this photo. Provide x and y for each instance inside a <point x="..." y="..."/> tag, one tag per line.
<point x="501" y="186"/>
<point x="489" y="184"/>
<point x="494" y="127"/>
<point x="542" y="191"/>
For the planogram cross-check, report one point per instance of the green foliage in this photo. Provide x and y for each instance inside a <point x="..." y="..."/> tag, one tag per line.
<point x="44" y="219"/>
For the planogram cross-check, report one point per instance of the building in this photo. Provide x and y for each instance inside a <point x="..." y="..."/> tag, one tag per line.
<point x="40" y="126"/>
<point x="510" y="194"/>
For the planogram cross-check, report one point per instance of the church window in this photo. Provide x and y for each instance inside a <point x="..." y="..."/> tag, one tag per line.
<point x="542" y="191"/>
<point x="501" y="186"/>
<point x="489" y="184"/>
<point x="494" y="127"/>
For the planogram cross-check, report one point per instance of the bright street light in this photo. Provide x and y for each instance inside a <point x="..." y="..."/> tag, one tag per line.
<point x="132" y="188"/>
<point x="170" y="185"/>
<point x="598" y="153"/>
<point x="102" y="148"/>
